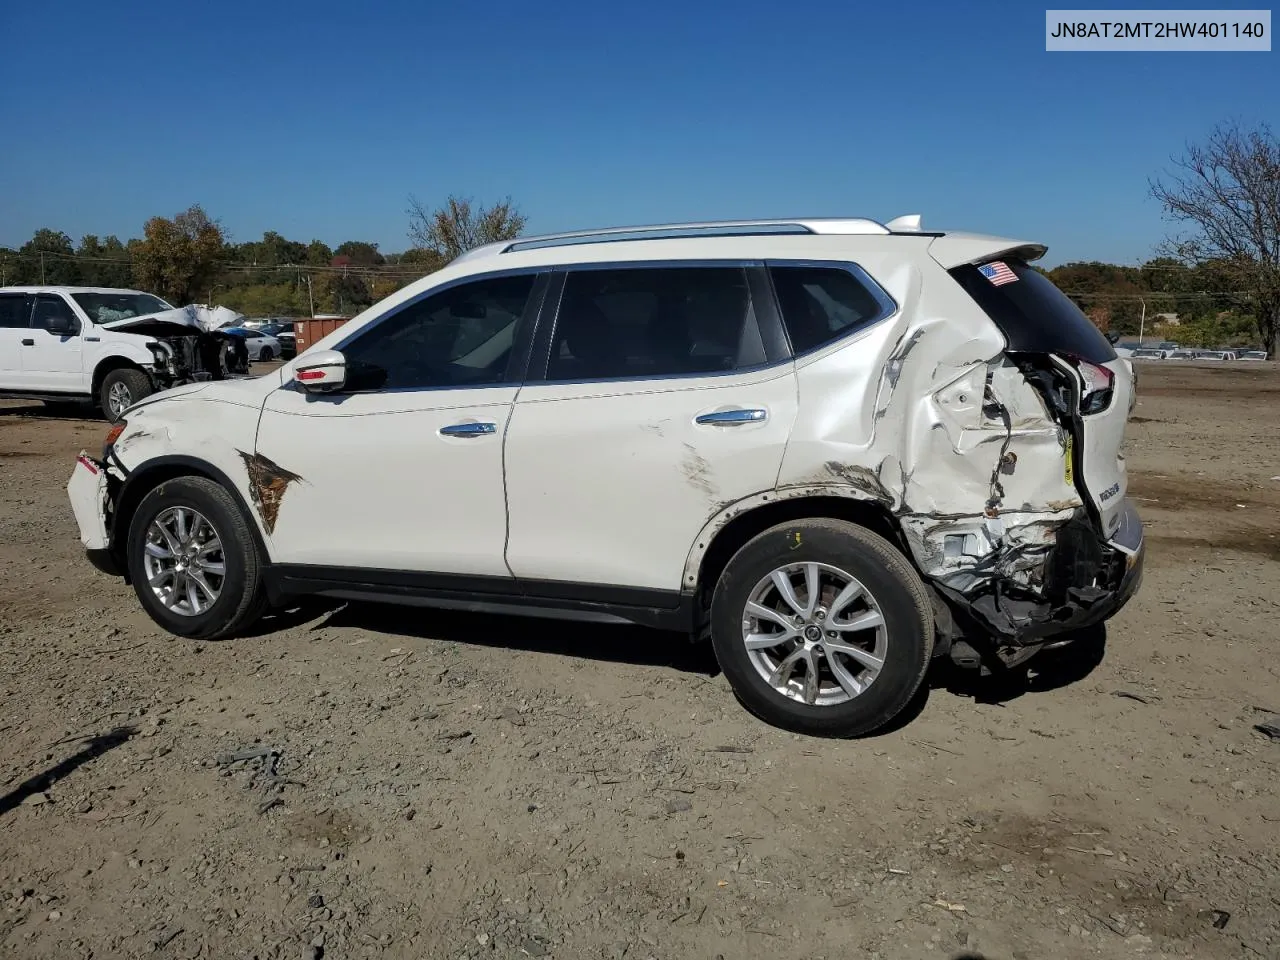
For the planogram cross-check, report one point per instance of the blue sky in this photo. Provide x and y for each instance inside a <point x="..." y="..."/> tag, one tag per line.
<point x="319" y="119"/>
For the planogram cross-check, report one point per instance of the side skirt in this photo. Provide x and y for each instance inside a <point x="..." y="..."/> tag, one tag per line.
<point x="592" y="603"/>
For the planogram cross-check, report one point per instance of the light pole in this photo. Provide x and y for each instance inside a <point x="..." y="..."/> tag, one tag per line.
<point x="1142" y="323"/>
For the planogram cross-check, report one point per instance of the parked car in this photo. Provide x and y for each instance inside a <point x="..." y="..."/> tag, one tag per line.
<point x="1215" y="355"/>
<point x="756" y="432"/>
<point x="1148" y="353"/>
<point x="259" y="345"/>
<point x="283" y="332"/>
<point x="107" y="346"/>
<point x="1252" y="355"/>
<point x="1180" y="354"/>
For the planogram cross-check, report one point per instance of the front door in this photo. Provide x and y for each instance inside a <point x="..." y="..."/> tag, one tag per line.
<point x="402" y="470"/>
<point x="53" y="362"/>
<point x="657" y="410"/>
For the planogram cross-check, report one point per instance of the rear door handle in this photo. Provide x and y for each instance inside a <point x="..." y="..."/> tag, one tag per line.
<point x="28" y="343"/>
<point x="733" y="418"/>
<point x="468" y="429"/>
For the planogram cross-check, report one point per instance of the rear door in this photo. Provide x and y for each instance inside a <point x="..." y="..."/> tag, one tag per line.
<point x="651" y="407"/>
<point x="1038" y="319"/>
<point x="54" y="362"/>
<point x="15" y="321"/>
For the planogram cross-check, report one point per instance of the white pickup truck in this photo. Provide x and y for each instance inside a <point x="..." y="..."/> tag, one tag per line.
<point x="106" y="346"/>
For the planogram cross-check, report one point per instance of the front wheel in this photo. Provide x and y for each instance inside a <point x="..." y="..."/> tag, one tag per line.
<point x="120" y="390"/>
<point x="822" y="627"/>
<point x="194" y="561"/>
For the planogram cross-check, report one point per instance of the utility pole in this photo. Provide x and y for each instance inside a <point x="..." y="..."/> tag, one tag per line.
<point x="310" y="298"/>
<point x="42" y="280"/>
<point x="1142" y="324"/>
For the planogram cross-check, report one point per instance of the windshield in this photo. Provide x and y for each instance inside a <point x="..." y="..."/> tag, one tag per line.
<point x="106" y="307"/>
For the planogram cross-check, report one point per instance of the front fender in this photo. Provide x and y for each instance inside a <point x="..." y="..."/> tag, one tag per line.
<point x="188" y="435"/>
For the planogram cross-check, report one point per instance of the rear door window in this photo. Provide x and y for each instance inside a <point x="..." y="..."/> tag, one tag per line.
<point x="652" y="322"/>
<point x="1033" y="314"/>
<point x="15" y="309"/>
<point x="822" y="304"/>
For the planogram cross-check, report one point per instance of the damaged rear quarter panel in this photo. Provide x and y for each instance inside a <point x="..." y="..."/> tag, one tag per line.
<point x="903" y="413"/>
<point x="219" y="431"/>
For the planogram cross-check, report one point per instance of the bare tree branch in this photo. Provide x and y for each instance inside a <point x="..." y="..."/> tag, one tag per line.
<point x="452" y="230"/>
<point x="1227" y="190"/>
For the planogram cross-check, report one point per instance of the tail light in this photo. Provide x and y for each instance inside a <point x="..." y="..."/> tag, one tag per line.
<point x="1099" y="386"/>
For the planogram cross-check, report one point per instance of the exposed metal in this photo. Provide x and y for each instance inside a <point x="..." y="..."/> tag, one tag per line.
<point x="268" y="482"/>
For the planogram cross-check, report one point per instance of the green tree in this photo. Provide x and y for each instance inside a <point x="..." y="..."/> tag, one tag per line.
<point x="358" y="253"/>
<point x="1227" y="191"/>
<point x="47" y="258"/>
<point x="457" y="227"/>
<point x="178" y="258"/>
<point x="103" y="263"/>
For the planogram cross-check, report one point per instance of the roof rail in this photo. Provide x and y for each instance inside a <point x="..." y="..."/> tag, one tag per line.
<point x="847" y="226"/>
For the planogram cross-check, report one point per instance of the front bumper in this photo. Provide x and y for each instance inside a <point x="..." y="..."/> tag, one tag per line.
<point x="90" y="500"/>
<point x="1086" y="582"/>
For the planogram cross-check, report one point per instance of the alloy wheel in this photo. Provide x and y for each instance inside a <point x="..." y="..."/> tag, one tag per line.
<point x="814" y="633"/>
<point x="184" y="561"/>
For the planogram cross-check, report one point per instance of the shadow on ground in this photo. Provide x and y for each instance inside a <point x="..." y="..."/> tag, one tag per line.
<point x="1047" y="671"/>
<point x="613" y="643"/>
<point x="93" y="747"/>
<point x="38" y="410"/>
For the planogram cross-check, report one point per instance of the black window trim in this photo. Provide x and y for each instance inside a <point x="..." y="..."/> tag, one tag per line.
<point x="517" y="366"/>
<point x="888" y="306"/>
<point x="765" y="319"/>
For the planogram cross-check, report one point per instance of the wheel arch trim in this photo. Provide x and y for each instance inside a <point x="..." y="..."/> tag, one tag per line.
<point x="692" y="577"/>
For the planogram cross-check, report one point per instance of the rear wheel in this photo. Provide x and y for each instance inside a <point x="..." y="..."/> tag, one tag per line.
<point x="822" y="627"/>
<point x="265" y="355"/>
<point x="120" y="390"/>
<point x="194" y="561"/>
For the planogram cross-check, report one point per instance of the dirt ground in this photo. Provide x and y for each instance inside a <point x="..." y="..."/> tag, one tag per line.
<point x="463" y="786"/>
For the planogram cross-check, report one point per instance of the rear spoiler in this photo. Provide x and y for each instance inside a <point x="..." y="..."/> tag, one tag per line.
<point x="956" y="249"/>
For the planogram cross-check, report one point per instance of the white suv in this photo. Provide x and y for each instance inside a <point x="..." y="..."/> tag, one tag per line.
<point x="837" y="448"/>
<point x="108" y="346"/>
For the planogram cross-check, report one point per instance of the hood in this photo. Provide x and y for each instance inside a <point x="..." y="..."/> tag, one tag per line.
<point x="195" y="316"/>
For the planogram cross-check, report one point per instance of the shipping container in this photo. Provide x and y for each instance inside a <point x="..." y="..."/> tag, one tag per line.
<point x="311" y="329"/>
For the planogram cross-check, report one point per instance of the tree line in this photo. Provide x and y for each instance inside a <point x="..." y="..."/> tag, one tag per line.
<point x="1220" y="281"/>
<point x="190" y="258"/>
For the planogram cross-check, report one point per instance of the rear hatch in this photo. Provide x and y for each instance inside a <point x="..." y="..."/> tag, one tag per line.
<point x="1071" y="363"/>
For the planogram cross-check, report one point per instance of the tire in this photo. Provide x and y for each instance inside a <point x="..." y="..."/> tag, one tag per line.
<point x="120" y="389"/>
<point x="265" y="355"/>
<point x="241" y="596"/>
<point x="902" y="642"/>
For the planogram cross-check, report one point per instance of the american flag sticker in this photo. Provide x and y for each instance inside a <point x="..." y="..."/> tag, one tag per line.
<point x="997" y="272"/>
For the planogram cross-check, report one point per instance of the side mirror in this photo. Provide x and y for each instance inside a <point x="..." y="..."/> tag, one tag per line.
<point x="322" y="371"/>
<point x="61" y="326"/>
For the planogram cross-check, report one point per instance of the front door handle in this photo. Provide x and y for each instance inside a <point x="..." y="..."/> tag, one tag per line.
<point x="468" y="429"/>
<point x="28" y="343"/>
<point x="733" y="418"/>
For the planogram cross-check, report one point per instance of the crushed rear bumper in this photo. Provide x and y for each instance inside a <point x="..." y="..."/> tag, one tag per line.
<point x="1084" y="581"/>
